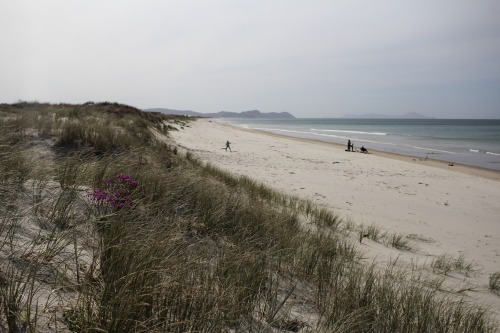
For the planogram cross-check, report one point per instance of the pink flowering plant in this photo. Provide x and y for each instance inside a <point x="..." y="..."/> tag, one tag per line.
<point x="116" y="193"/>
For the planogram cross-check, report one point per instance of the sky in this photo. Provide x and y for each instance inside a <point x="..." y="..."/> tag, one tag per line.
<point x="318" y="58"/>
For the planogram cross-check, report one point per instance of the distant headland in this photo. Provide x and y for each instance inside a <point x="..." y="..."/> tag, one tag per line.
<point x="225" y="114"/>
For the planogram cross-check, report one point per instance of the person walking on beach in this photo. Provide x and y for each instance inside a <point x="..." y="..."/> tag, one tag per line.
<point x="228" y="146"/>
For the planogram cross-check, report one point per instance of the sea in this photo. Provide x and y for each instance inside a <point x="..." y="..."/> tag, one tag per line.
<point x="474" y="142"/>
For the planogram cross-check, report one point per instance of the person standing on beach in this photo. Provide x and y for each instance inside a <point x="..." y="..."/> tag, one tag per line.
<point x="228" y="146"/>
<point x="348" y="145"/>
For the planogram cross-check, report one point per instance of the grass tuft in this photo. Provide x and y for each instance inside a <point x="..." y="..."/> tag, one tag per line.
<point x="494" y="282"/>
<point x="445" y="264"/>
<point x="399" y="241"/>
<point x="107" y="228"/>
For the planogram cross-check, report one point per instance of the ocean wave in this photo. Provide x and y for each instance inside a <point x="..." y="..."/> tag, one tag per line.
<point x="330" y="134"/>
<point x="486" y="152"/>
<point x="279" y="130"/>
<point x="435" y="150"/>
<point x="333" y="136"/>
<point x="357" y="140"/>
<point x="352" y="132"/>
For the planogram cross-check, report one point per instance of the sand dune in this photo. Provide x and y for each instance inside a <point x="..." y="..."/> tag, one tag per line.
<point x="445" y="209"/>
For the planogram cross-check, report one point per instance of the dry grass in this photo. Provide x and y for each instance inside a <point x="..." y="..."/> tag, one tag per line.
<point x="494" y="282"/>
<point x="194" y="249"/>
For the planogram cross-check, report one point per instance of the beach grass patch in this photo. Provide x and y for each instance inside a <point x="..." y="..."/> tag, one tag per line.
<point x="494" y="282"/>
<point x="445" y="264"/>
<point x="399" y="241"/>
<point x="167" y="243"/>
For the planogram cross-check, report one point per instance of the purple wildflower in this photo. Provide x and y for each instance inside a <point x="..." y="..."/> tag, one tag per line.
<point x="117" y="191"/>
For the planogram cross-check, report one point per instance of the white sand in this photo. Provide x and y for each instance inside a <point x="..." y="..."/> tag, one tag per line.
<point x="455" y="208"/>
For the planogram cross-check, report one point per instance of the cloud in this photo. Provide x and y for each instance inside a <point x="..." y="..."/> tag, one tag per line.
<point x="324" y="58"/>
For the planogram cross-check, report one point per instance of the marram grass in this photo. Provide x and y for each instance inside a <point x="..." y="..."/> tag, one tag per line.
<point x="191" y="249"/>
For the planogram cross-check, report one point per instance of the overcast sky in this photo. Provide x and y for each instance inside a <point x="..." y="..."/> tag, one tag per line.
<point x="312" y="58"/>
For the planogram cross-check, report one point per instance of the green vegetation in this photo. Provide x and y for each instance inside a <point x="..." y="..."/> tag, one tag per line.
<point x="107" y="228"/>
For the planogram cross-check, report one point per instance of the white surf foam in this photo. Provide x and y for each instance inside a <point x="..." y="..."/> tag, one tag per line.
<point x="352" y="132"/>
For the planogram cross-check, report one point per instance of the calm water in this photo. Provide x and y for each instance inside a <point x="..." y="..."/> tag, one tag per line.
<point x="467" y="141"/>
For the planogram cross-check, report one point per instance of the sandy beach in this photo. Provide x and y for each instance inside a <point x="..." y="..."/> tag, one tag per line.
<point x="445" y="209"/>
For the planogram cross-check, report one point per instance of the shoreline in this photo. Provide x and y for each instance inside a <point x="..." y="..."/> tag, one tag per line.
<point x="463" y="168"/>
<point x="450" y="141"/>
<point x="443" y="210"/>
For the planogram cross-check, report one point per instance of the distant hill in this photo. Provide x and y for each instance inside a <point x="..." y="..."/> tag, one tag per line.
<point x="410" y="115"/>
<point x="225" y="114"/>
